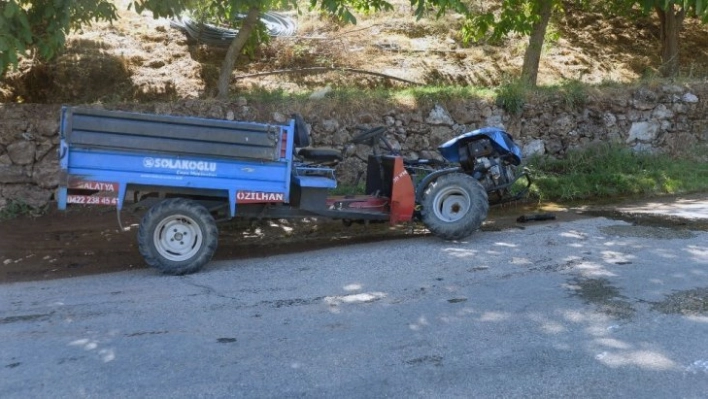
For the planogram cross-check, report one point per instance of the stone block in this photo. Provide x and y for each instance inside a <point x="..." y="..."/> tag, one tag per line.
<point x="328" y="125"/>
<point x="43" y="149"/>
<point x="564" y="124"/>
<point x="554" y="146"/>
<point x="662" y="112"/>
<point x="609" y="119"/>
<point x="417" y="142"/>
<point x="31" y="195"/>
<point x="439" y="116"/>
<point x="495" y="121"/>
<point x="464" y="114"/>
<point x="535" y="147"/>
<point x="643" y="132"/>
<point x="22" y="152"/>
<point x="47" y="127"/>
<point x="14" y="174"/>
<point x="689" y="98"/>
<point x="45" y="174"/>
<point x="278" y="117"/>
<point x="439" y="135"/>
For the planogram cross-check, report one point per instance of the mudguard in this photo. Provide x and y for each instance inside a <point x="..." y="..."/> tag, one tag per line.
<point x="402" y="194"/>
<point x="501" y="141"/>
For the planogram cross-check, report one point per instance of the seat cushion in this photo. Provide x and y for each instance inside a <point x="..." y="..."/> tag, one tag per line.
<point x="320" y="154"/>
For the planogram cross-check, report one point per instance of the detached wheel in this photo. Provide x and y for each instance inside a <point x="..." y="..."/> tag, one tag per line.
<point x="177" y="236"/>
<point x="302" y="138"/>
<point x="454" y="206"/>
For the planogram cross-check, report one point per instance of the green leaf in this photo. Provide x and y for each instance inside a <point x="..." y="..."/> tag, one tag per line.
<point x="10" y="9"/>
<point x="24" y="22"/>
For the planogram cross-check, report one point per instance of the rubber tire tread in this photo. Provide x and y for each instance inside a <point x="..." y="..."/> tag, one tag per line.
<point x="479" y="207"/>
<point x="171" y="207"/>
<point x="302" y="138"/>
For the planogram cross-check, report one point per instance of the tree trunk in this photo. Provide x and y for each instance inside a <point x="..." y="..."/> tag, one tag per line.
<point x="227" y="67"/>
<point x="671" y="24"/>
<point x="532" y="57"/>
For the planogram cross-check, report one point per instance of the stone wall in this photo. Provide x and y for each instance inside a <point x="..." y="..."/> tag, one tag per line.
<point x="663" y="118"/>
<point x="28" y="153"/>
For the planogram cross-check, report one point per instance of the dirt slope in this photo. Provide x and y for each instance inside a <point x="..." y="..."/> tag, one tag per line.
<point x="138" y="58"/>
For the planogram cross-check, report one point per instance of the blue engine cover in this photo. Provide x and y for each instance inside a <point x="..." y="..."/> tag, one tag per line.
<point x="501" y="141"/>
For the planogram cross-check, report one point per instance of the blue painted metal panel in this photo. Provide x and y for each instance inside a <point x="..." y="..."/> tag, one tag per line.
<point x="201" y="182"/>
<point x="289" y="134"/>
<point x="176" y="170"/>
<point x="176" y="165"/>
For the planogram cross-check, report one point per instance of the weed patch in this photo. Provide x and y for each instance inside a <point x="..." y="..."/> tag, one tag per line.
<point x="15" y="209"/>
<point x="511" y="96"/>
<point x="349" y="189"/>
<point x="608" y="170"/>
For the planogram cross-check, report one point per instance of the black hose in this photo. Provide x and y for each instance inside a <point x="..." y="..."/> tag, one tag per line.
<point x="276" y="24"/>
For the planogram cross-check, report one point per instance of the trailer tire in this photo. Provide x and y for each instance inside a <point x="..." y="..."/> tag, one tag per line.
<point x="454" y="206"/>
<point x="177" y="236"/>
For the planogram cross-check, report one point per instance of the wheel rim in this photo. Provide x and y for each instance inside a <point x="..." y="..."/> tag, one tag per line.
<point x="178" y="238"/>
<point x="451" y="204"/>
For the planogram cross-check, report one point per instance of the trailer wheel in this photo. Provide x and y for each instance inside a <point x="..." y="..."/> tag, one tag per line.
<point x="454" y="206"/>
<point x="177" y="236"/>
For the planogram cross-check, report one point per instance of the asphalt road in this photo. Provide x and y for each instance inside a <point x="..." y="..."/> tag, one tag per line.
<point x="591" y="308"/>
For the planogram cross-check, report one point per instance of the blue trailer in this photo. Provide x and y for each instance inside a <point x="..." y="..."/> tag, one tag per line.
<point x="192" y="172"/>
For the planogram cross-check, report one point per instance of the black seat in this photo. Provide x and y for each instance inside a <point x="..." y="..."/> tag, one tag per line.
<point x="324" y="155"/>
<point x="313" y="155"/>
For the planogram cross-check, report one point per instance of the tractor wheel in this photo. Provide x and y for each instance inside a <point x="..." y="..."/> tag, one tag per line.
<point x="177" y="236"/>
<point x="454" y="206"/>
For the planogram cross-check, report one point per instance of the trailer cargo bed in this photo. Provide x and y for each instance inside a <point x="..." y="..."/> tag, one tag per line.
<point x="111" y="151"/>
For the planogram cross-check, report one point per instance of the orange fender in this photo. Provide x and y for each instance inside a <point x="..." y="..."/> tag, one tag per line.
<point x="402" y="194"/>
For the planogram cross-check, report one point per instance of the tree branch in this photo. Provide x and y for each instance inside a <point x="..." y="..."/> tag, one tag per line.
<point x="328" y="69"/>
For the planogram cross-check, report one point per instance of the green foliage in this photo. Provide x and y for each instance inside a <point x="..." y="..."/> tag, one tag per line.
<point x="552" y="35"/>
<point x="609" y="170"/>
<point x="162" y="8"/>
<point x="514" y="93"/>
<point x="434" y="94"/>
<point x="693" y="8"/>
<point x="15" y="209"/>
<point x="504" y="18"/>
<point x="511" y="96"/>
<point x="39" y="27"/>
<point x="341" y="9"/>
<point x="348" y="189"/>
<point x="573" y="93"/>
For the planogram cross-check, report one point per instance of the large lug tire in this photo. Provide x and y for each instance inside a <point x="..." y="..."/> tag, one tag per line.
<point x="454" y="206"/>
<point x="177" y="236"/>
